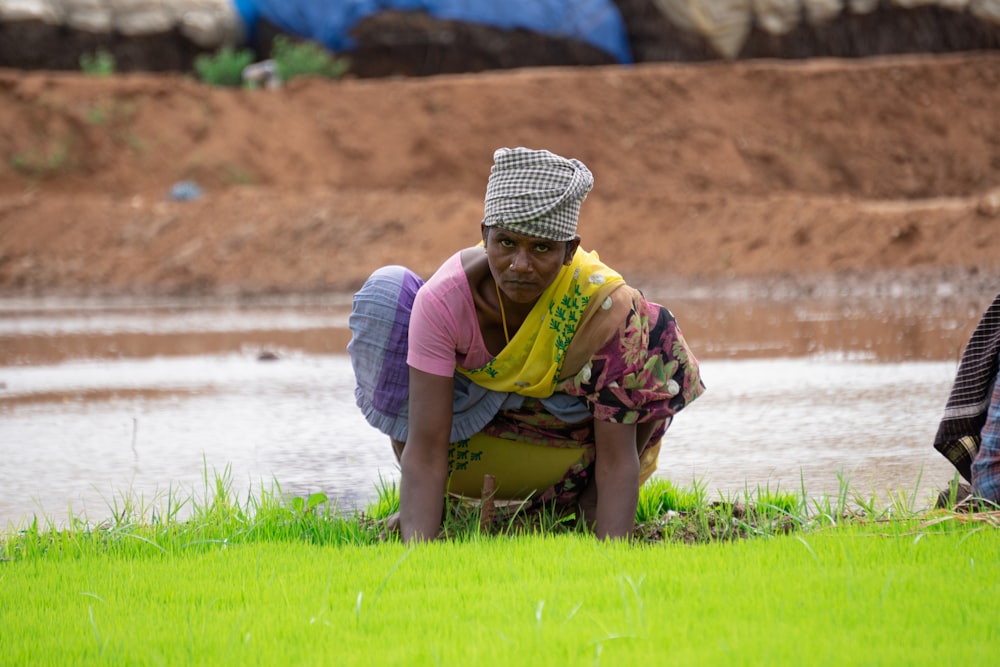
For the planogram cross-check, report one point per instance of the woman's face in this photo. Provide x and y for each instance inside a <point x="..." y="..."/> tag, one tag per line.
<point x="524" y="266"/>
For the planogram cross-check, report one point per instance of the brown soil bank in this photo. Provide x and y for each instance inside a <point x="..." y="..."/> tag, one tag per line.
<point x="805" y="171"/>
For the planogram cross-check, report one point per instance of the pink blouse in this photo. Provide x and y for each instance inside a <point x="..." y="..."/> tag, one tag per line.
<point x="441" y="336"/>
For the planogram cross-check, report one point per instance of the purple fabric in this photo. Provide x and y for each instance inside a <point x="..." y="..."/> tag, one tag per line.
<point x="379" y="325"/>
<point x="381" y="311"/>
<point x="392" y="389"/>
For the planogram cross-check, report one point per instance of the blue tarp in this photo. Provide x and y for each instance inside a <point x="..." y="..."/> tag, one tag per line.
<point x="597" y="22"/>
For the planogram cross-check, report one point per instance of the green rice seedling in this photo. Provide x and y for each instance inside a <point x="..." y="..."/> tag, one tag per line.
<point x="834" y="510"/>
<point x="807" y="598"/>
<point x="870" y="506"/>
<point x="902" y="503"/>
<point x="768" y="502"/>
<point x="762" y="512"/>
<point x="659" y="496"/>
<point x="313" y="520"/>
<point x="548" y="519"/>
<point x="775" y="511"/>
<point x="662" y="506"/>
<point x="386" y="502"/>
<point x="269" y="515"/>
<point x="697" y="519"/>
<point x="898" y="503"/>
<point x="218" y="517"/>
<point x="461" y="520"/>
<point x="552" y="519"/>
<point x="171" y="523"/>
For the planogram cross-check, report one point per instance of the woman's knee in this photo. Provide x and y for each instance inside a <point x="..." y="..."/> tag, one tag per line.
<point x="647" y="433"/>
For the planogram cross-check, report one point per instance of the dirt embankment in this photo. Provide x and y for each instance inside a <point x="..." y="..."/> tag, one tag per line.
<point x="805" y="172"/>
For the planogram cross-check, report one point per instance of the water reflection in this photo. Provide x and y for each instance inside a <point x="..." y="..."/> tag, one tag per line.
<point x="290" y="420"/>
<point x="99" y="402"/>
<point x="813" y="421"/>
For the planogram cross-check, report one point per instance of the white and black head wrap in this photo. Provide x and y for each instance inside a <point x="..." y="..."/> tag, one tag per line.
<point x="536" y="193"/>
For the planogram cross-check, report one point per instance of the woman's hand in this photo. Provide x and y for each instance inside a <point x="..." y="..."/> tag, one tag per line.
<point x="424" y="460"/>
<point x="617" y="477"/>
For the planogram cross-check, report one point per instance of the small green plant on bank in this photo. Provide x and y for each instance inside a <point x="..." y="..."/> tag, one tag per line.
<point x="291" y="59"/>
<point x="294" y="59"/>
<point x="42" y="162"/>
<point x="224" y="67"/>
<point x="96" y="115"/>
<point x="238" y="175"/>
<point x="99" y="63"/>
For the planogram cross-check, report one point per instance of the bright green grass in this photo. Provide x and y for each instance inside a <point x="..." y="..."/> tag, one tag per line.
<point x="878" y="594"/>
<point x="767" y="579"/>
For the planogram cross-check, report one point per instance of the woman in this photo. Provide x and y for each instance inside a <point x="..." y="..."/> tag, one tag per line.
<point x="524" y="358"/>
<point x="969" y="432"/>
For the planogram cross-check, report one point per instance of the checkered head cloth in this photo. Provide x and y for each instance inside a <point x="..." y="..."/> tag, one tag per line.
<point x="536" y="193"/>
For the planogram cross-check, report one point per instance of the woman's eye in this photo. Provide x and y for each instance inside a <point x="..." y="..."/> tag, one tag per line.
<point x="542" y="248"/>
<point x="506" y="243"/>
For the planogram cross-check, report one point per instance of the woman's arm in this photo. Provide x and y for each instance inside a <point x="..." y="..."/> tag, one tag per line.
<point x="617" y="477"/>
<point x="425" y="456"/>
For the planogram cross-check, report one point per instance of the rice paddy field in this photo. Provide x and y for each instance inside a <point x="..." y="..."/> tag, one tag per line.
<point x="837" y="557"/>
<point x="768" y="578"/>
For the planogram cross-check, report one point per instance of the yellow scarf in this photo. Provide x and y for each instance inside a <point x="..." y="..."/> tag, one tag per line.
<point x="531" y="363"/>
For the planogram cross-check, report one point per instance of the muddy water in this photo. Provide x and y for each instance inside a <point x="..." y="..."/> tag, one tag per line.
<point x="107" y="403"/>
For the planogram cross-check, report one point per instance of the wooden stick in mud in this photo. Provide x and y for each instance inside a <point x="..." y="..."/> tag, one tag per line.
<point x="486" y="506"/>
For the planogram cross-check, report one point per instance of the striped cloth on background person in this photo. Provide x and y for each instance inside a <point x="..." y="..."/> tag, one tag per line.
<point x="959" y="434"/>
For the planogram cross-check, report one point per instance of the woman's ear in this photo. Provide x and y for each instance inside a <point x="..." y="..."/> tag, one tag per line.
<point x="486" y="232"/>
<point x="571" y="247"/>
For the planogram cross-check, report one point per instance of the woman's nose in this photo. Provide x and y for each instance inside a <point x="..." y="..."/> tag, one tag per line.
<point x="520" y="261"/>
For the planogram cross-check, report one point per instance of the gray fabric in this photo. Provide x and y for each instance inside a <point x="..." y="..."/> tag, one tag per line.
<point x="570" y="409"/>
<point x="536" y="193"/>
<point x="378" y="356"/>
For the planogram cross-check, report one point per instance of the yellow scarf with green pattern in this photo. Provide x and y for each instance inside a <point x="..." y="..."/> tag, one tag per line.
<point x="532" y="361"/>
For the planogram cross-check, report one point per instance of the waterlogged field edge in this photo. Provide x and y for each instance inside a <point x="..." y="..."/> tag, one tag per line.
<point x="666" y="512"/>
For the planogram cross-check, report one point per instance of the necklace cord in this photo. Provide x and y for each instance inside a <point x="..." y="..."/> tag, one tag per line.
<point x="503" y="314"/>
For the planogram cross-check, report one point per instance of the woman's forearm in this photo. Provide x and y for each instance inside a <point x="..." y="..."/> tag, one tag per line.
<point x="421" y="500"/>
<point x="617" y="497"/>
<point x="616" y="473"/>
<point x="424" y="460"/>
